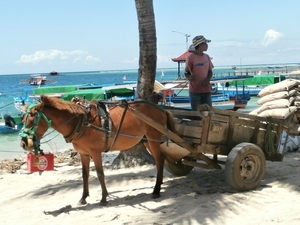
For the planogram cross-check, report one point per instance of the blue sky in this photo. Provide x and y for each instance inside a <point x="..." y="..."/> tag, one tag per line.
<point x="75" y="35"/>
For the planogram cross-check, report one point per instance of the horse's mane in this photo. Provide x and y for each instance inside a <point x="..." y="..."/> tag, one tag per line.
<point x="62" y="105"/>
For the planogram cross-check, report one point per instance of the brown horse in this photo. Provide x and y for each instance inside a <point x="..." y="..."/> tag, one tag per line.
<point x="91" y="133"/>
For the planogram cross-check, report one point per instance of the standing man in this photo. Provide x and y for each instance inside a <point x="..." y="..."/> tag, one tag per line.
<point x="198" y="70"/>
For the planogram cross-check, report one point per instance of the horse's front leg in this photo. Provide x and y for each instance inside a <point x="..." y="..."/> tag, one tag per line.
<point x="100" y="174"/>
<point x="85" y="162"/>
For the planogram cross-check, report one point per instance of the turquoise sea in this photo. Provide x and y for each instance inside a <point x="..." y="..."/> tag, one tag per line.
<point x="11" y="86"/>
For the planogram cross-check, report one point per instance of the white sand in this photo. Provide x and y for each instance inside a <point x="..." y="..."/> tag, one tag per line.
<point x="202" y="197"/>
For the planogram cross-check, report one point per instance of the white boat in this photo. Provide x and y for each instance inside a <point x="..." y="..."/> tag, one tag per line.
<point x="35" y="79"/>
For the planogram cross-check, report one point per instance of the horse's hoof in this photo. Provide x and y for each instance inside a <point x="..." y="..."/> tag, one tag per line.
<point x="155" y="195"/>
<point x="103" y="203"/>
<point x="82" y="202"/>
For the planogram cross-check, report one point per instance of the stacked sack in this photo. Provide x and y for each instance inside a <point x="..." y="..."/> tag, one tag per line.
<point x="279" y="100"/>
<point x="282" y="100"/>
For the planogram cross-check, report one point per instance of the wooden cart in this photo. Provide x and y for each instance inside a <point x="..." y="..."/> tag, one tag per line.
<point x="247" y="141"/>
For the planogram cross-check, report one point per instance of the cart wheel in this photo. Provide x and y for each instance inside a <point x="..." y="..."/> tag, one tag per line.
<point x="245" y="167"/>
<point x="177" y="168"/>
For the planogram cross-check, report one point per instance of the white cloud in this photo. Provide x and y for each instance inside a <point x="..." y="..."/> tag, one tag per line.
<point x="91" y="60"/>
<point x="50" y="55"/>
<point x="160" y="59"/>
<point x="164" y="59"/>
<point x="130" y="61"/>
<point x="271" y="36"/>
<point x="77" y="59"/>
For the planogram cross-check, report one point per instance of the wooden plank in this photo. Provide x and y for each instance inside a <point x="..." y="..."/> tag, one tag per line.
<point x="208" y="149"/>
<point x="230" y="131"/>
<point x="240" y="134"/>
<point x="189" y="131"/>
<point x="188" y="113"/>
<point x="220" y="118"/>
<point x="205" y="130"/>
<point x="188" y="122"/>
<point x="196" y="164"/>
<point x="218" y="133"/>
<point x="255" y="131"/>
<point x="192" y="140"/>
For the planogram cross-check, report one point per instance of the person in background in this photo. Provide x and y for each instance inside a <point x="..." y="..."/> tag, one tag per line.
<point x="198" y="70"/>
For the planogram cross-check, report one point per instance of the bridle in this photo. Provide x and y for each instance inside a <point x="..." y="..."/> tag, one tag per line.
<point x="30" y="133"/>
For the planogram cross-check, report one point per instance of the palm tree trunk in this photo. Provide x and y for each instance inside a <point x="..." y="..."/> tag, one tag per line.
<point x="139" y="155"/>
<point x="147" y="43"/>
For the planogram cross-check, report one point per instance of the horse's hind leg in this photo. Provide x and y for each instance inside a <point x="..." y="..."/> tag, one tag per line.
<point x="100" y="174"/>
<point x="85" y="162"/>
<point x="154" y="148"/>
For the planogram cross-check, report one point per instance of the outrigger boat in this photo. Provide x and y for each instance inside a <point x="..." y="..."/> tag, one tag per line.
<point x="35" y="79"/>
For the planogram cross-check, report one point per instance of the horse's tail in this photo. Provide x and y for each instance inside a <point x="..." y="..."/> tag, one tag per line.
<point x="171" y="123"/>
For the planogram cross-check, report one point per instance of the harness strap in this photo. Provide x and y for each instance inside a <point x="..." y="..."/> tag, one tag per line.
<point x="125" y="105"/>
<point x="78" y="131"/>
<point x="103" y="113"/>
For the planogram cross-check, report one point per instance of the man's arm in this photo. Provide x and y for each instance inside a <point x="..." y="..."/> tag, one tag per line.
<point x="208" y="78"/>
<point x="188" y="75"/>
<point x="209" y="75"/>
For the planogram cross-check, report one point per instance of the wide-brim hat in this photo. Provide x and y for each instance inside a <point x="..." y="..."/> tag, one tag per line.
<point x="199" y="40"/>
<point x="192" y="48"/>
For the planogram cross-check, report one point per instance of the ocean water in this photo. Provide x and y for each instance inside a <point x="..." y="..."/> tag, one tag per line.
<point x="12" y="86"/>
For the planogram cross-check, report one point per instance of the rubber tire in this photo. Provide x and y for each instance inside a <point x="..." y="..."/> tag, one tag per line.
<point x="245" y="167"/>
<point x="177" y="169"/>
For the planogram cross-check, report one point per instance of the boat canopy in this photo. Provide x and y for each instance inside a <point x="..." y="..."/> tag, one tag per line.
<point x="261" y="80"/>
<point x="54" y="89"/>
<point x="98" y="93"/>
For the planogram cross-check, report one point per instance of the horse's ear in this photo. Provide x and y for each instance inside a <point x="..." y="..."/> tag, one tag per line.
<point x="39" y="106"/>
<point x="33" y="110"/>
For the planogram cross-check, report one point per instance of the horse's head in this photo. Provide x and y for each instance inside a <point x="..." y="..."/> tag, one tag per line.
<point x="35" y="124"/>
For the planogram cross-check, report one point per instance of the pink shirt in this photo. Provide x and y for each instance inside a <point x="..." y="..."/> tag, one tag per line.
<point x="198" y="65"/>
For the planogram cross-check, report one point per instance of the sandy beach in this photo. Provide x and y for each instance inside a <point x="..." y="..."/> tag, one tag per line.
<point x="201" y="197"/>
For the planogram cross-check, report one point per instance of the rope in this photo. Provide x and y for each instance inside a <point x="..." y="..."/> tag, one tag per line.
<point x="269" y="137"/>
